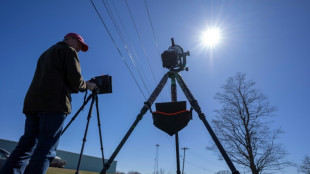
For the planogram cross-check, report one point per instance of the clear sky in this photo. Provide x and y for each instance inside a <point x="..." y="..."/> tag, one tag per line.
<point x="267" y="40"/>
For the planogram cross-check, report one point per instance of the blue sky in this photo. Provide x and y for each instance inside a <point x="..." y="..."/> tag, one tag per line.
<point x="267" y="40"/>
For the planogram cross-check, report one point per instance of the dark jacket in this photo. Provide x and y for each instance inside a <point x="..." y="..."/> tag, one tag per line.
<point x="58" y="74"/>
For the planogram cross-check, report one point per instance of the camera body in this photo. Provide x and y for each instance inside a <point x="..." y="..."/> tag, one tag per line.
<point x="174" y="58"/>
<point x="104" y="84"/>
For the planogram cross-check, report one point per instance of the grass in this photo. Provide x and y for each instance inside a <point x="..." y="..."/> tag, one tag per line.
<point x="53" y="170"/>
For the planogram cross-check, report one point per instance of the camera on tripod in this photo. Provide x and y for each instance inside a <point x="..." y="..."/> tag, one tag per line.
<point x="174" y="58"/>
<point x="104" y="84"/>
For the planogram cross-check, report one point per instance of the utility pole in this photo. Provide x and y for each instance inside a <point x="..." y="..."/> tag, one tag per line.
<point x="156" y="160"/>
<point x="184" y="148"/>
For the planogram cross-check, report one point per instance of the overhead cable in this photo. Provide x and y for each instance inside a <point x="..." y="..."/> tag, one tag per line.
<point x="118" y="49"/>
<point x="153" y="31"/>
<point x="148" y="14"/>
<point x="124" y="42"/>
<point x="198" y="166"/>
<point x="126" y="34"/>
<point x="141" y="42"/>
<point x="119" y="18"/>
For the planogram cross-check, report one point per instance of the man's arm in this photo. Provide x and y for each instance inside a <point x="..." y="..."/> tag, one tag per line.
<point x="73" y="73"/>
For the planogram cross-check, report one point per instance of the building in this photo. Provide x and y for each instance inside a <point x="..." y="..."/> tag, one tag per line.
<point x="88" y="163"/>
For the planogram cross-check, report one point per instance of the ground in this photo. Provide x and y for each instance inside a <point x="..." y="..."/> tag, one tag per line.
<point x="53" y="170"/>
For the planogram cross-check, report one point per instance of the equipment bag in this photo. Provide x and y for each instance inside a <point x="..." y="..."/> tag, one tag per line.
<point x="171" y="117"/>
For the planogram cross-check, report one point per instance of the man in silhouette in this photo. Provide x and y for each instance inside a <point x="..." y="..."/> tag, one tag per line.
<point x="46" y="105"/>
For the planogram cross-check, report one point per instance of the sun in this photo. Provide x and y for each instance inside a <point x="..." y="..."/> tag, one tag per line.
<point x="211" y="37"/>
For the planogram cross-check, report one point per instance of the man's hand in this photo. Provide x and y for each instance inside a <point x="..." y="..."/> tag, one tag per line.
<point x="91" y="86"/>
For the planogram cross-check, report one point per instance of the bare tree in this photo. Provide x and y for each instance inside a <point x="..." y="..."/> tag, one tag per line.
<point x="133" y="172"/>
<point x="243" y="127"/>
<point x="305" y="166"/>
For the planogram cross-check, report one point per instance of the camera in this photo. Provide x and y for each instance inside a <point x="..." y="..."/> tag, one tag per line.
<point x="104" y="84"/>
<point x="174" y="58"/>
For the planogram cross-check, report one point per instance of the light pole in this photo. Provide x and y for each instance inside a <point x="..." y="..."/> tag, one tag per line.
<point x="156" y="160"/>
<point x="184" y="148"/>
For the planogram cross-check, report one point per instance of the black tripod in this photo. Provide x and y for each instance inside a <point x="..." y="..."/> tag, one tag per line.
<point x="94" y="98"/>
<point x="194" y="104"/>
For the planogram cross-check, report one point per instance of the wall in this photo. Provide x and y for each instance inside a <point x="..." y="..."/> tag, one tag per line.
<point x="88" y="163"/>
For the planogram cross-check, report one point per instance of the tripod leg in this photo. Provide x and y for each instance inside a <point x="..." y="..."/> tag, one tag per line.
<point x="177" y="152"/>
<point x="77" y="113"/>
<point x="174" y="99"/>
<point x="144" y="109"/>
<point x="99" y="127"/>
<point x="85" y="134"/>
<point x="201" y="115"/>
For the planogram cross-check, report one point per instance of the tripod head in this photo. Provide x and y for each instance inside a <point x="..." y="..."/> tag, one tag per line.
<point x="174" y="58"/>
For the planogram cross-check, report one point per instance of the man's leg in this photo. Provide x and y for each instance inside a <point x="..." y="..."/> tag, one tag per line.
<point x="49" y="133"/>
<point x="18" y="159"/>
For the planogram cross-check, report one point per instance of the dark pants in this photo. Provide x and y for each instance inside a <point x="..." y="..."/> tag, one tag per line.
<point x="39" y="143"/>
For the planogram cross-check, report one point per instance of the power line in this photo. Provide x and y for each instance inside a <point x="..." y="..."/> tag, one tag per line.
<point x="125" y="44"/>
<point x="140" y="41"/>
<point x="143" y="48"/>
<point x="107" y="6"/>
<point x="199" y="166"/>
<point x="126" y="34"/>
<point x="117" y="48"/>
<point x="153" y="31"/>
<point x="199" y="155"/>
<point x="119" y="18"/>
<point x="148" y="14"/>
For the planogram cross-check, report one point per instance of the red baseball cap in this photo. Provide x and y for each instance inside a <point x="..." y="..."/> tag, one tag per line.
<point x="79" y="38"/>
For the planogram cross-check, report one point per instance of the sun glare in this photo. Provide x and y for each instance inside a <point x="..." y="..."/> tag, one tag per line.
<point x="211" y="37"/>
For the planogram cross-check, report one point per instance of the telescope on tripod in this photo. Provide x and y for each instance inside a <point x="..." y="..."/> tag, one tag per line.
<point x="171" y="117"/>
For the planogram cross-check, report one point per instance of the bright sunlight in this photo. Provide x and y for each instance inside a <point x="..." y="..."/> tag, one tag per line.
<point x="211" y="37"/>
